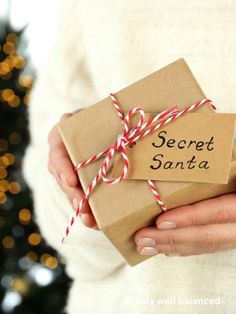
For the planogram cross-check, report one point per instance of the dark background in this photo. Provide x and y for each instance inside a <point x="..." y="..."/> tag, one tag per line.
<point x="32" y="277"/>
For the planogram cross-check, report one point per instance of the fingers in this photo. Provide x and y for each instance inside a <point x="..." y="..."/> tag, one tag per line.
<point x="89" y="220"/>
<point x="186" y="241"/>
<point x="61" y="167"/>
<point x="65" y="170"/>
<point x="218" y="210"/>
<point x="74" y="195"/>
<point x="60" y="164"/>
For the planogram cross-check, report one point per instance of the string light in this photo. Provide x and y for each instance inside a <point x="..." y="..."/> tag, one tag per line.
<point x="25" y="216"/>
<point x="3" y="197"/>
<point x="11" y="37"/>
<point x="14" y="187"/>
<point x="3" y="144"/>
<point x="20" y="285"/>
<point x="49" y="260"/>
<point x="8" y="242"/>
<point x="8" y="94"/>
<point x="15" y="102"/>
<point x="19" y="62"/>
<point x="4" y="68"/>
<point x="34" y="239"/>
<point x="8" y="158"/>
<point x="9" y="61"/>
<point x="8" y="48"/>
<point x="26" y="80"/>
<point x="4" y="184"/>
<point x="32" y="256"/>
<point x="26" y="99"/>
<point x="15" y="138"/>
<point x="43" y="257"/>
<point x="17" y="231"/>
<point x="3" y="173"/>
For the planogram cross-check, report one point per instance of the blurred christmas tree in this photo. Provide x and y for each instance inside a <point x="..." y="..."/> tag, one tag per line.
<point x="32" y="278"/>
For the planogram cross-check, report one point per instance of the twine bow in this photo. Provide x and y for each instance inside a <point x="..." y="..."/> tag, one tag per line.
<point x="129" y="137"/>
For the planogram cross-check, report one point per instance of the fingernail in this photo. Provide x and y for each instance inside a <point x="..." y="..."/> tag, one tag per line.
<point x="75" y="203"/>
<point x="174" y="254"/>
<point x="166" y="225"/>
<point x="82" y="217"/>
<point x="146" y="242"/>
<point x="148" y="251"/>
<point x="63" y="178"/>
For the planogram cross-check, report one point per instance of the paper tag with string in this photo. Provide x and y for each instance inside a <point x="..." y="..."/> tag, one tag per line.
<point x="195" y="148"/>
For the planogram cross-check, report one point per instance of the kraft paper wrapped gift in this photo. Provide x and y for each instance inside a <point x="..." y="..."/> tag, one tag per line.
<point x="122" y="209"/>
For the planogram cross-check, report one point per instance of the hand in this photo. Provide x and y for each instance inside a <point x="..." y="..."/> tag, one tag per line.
<point x="60" y="166"/>
<point x="205" y="227"/>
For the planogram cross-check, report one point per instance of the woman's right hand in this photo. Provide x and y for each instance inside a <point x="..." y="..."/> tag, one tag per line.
<point x="61" y="167"/>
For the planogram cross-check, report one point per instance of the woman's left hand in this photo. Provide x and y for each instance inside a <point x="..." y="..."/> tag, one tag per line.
<point x="205" y="227"/>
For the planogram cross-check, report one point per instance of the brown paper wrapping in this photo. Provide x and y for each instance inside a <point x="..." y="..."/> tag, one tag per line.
<point x="122" y="209"/>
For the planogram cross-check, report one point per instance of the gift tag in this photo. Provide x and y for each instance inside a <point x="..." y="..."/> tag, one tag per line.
<point x="193" y="148"/>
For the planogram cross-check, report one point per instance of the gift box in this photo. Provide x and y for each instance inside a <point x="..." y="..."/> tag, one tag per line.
<point x="122" y="209"/>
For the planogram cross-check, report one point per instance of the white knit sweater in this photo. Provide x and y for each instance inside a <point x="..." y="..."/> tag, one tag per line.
<point x="103" y="46"/>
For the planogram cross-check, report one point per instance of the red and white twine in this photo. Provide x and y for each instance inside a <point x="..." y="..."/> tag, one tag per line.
<point x="129" y="137"/>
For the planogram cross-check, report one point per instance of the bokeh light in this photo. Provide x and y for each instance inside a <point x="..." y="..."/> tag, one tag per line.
<point x="25" y="216"/>
<point x="20" y="285"/>
<point x="4" y="184"/>
<point x="3" y="197"/>
<point x="11" y="300"/>
<point x="15" y="102"/>
<point x="34" y="238"/>
<point x="8" y="94"/>
<point x="12" y="38"/>
<point x="49" y="260"/>
<point x="32" y="256"/>
<point x="3" y="173"/>
<point x="8" y="242"/>
<point x="26" y="81"/>
<point x="14" y="187"/>
<point x="41" y="275"/>
<point x="8" y="159"/>
<point x="17" y="231"/>
<point x="26" y="99"/>
<point x="8" y="48"/>
<point x="19" y="62"/>
<point x="3" y="144"/>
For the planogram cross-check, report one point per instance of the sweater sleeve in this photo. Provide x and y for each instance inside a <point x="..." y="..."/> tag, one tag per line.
<point x="88" y="253"/>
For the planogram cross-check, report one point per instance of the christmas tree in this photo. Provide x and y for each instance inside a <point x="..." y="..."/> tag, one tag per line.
<point x="32" y="278"/>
